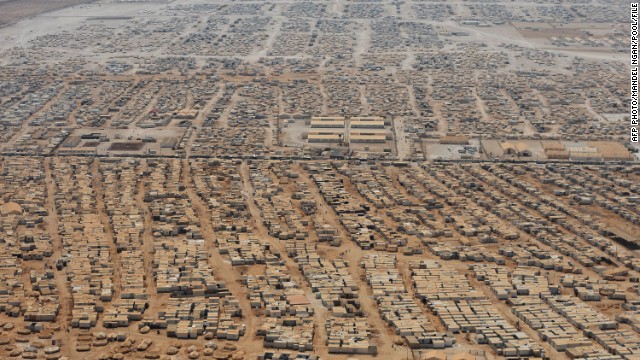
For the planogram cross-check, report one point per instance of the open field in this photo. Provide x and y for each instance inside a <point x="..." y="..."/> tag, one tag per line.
<point x="13" y="10"/>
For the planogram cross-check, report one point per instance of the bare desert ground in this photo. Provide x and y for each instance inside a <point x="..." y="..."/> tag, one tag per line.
<point x="14" y="10"/>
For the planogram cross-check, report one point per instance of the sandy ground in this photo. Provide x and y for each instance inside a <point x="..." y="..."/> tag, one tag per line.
<point x="13" y="10"/>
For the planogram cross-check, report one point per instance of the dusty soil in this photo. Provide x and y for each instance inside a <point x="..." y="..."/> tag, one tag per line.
<point x="13" y="10"/>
